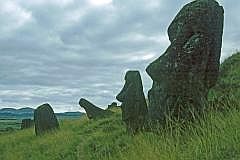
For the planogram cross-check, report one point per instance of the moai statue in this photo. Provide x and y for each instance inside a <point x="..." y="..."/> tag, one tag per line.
<point x="134" y="106"/>
<point x="183" y="75"/>
<point x="93" y="111"/>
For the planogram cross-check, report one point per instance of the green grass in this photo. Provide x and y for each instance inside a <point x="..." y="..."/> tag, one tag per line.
<point x="229" y="79"/>
<point x="9" y="123"/>
<point x="77" y="139"/>
<point x="215" y="137"/>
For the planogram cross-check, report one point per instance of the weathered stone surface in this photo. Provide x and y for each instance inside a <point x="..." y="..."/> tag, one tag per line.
<point x="45" y="120"/>
<point x="183" y="75"/>
<point x="134" y="106"/>
<point x="93" y="111"/>
<point x="27" y="123"/>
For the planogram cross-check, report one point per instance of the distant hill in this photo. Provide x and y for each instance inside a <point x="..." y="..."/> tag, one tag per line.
<point x="17" y="111"/>
<point x="7" y="110"/>
<point x="28" y="112"/>
<point x="25" y="110"/>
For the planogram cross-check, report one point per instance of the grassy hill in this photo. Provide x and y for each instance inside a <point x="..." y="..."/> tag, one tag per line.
<point x="229" y="80"/>
<point x="216" y="136"/>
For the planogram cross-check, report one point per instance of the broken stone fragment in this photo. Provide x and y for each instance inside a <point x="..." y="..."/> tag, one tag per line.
<point x="45" y="120"/>
<point x="112" y="105"/>
<point x="27" y="123"/>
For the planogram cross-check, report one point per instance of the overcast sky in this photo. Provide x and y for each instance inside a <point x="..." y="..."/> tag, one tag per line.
<point x="58" y="51"/>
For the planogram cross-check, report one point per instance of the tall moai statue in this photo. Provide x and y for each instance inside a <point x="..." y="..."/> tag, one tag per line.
<point x="183" y="75"/>
<point x="134" y="106"/>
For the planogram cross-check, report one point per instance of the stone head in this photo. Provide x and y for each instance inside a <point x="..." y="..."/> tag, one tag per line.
<point x="132" y="82"/>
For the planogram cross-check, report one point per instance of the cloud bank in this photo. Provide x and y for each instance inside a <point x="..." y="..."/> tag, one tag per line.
<point x="60" y="50"/>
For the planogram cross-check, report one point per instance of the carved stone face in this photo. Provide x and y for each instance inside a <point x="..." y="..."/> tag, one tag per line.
<point x="183" y="75"/>
<point x="132" y="78"/>
<point x="134" y="107"/>
<point x="194" y="52"/>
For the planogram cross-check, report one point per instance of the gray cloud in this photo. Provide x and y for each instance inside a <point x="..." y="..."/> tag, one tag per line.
<point x="58" y="51"/>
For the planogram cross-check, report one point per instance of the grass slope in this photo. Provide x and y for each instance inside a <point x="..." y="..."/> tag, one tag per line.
<point x="229" y="79"/>
<point x="216" y="136"/>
